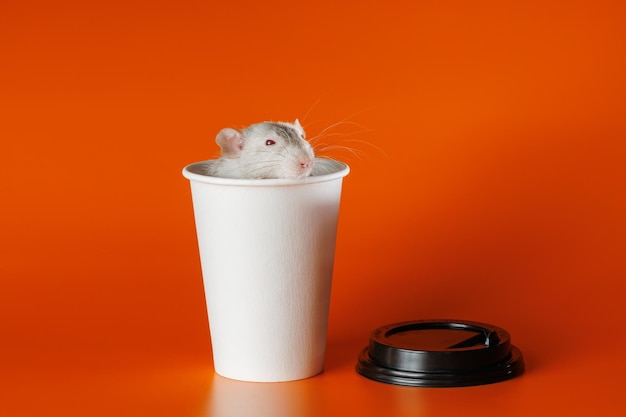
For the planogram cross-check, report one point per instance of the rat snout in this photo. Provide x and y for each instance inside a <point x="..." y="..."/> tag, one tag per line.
<point x="301" y="161"/>
<point x="305" y="166"/>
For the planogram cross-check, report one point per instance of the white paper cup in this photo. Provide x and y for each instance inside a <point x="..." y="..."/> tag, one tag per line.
<point x="267" y="250"/>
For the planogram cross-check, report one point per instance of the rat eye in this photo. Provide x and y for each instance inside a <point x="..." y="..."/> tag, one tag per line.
<point x="270" y="142"/>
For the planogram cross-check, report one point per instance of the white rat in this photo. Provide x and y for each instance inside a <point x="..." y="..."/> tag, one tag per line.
<point x="263" y="150"/>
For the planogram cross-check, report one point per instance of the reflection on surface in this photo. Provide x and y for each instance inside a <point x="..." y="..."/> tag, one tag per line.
<point x="272" y="399"/>
<point x="339" y="390"/>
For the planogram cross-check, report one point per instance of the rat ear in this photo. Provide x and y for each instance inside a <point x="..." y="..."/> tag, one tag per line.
<point x="300" y="128"/>
<point x="231" y="142"/>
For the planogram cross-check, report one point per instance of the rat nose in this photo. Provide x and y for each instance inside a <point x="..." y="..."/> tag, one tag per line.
<point x="306" y="164"/>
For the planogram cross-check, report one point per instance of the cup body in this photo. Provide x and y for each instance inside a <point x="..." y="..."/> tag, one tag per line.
<point x="267" y="252"/>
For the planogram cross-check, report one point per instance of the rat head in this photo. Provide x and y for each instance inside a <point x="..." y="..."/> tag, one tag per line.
<point x="267" y="150"/>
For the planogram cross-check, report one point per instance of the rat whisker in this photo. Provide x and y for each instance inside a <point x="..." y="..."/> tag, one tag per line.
<point x="335" y="134"/>
<point x="310" y="109"/>
<point x="304" y="118"/>
<point x="355" y="152"/>
<point x="370" y="144"/>
<point x="327" y="129"/>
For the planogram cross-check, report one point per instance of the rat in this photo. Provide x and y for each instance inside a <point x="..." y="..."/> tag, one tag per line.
<point x="263" y="150"/>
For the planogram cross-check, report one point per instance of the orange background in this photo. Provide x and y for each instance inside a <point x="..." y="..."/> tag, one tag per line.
<point x="487" y="183"/>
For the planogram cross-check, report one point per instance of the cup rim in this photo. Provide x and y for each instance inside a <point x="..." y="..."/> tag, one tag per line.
<point x="337" y="170"/>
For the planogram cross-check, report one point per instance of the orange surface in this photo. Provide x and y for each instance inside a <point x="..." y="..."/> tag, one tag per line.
<point x="487" y="184"/>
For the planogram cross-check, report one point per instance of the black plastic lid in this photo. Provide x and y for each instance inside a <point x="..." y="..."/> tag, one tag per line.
<point x="440" y="353"/>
